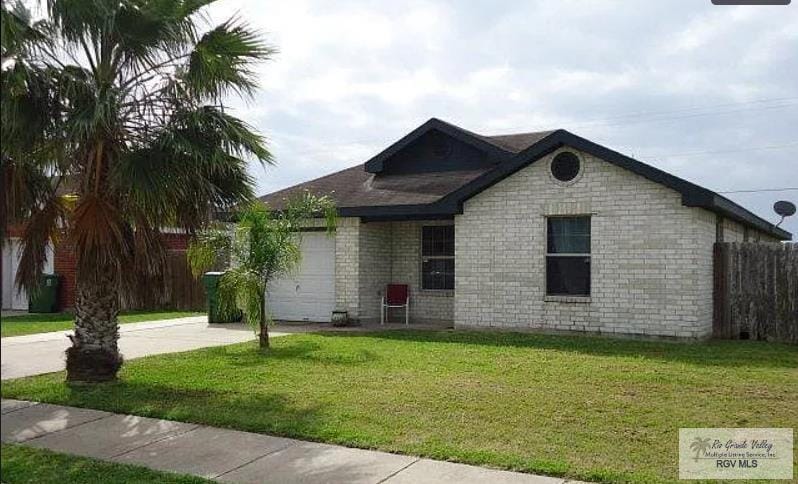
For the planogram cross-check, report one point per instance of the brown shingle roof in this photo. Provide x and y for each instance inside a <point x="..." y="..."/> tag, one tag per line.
<point x="354" y="187"/>
<point x="516" y="142"/>
<point x="377" y="194"/>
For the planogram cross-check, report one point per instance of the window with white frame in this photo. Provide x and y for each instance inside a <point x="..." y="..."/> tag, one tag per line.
<point x="568" y="256"/>
<point x="437" y="257"/>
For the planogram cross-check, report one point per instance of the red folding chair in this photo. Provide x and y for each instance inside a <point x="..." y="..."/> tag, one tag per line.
<point x="396" y="296"/>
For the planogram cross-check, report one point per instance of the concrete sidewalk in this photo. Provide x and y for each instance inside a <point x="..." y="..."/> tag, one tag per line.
<point x="34" y="354"/>
<point x="227" y="455"/>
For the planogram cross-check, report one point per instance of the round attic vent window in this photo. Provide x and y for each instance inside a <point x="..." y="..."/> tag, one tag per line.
<point x="565" y="166"/>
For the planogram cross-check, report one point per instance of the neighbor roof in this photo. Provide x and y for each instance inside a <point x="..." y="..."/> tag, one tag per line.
<point x="361" y="191"/>
<point x="516" y="142"/>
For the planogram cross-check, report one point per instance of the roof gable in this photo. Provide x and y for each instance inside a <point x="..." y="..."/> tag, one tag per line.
<point x="692" y="195"/>
<point x="480" y="151"/>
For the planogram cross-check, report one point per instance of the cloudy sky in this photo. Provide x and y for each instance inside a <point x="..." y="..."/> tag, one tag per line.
<point x="705" y="92"/>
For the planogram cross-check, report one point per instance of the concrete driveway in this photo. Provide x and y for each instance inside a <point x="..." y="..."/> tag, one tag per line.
<point x="34" y="354"/>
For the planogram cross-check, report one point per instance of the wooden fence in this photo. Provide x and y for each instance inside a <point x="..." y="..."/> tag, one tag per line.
<point x="178" y="289"/>
<point x="756" y="291"/>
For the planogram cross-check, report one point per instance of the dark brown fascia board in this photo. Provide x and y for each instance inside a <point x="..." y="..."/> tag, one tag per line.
<point x="430" y="211"/>
<point x="735" y="212"/>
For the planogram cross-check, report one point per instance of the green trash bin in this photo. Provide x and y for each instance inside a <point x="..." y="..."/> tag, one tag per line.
<point x="211" y="282"/>
<point x="45" y="299"/>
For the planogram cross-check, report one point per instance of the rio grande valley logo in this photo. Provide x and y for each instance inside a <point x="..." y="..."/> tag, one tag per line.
<point x="729" y="453"/>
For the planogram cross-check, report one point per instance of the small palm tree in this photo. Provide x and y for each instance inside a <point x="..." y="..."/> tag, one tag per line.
<point x="263" y="246"/>
<point x="113" y="127"/>
<point x="698" y="446"/>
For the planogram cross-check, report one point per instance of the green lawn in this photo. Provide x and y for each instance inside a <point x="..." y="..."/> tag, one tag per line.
<point x="582" y="407"/>
<point x="34" y="466"/>
<point x="43" y="322"/>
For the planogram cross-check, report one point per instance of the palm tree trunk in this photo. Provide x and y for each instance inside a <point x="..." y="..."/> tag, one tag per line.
<point x="94" y="355"/>
<point x="263" y="337"/>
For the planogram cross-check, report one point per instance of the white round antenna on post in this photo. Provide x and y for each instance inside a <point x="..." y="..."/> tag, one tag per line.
<point x="785" y="209"/>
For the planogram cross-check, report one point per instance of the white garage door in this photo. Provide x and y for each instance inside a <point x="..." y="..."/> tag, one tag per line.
<point x="309" y="293"/>
<point x="12" y="299"/>
<point x="12" y="251"/>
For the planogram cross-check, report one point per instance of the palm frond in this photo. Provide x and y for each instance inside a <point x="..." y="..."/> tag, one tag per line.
<point x="29" y="111"/>
<point x="241" y="289"/>
<point x="143" y="277"/>
<point x="194" y="130"/>
<point x="100" y="233"/>
<point x="222" y="61"/>
<point x="209" y="248"/>
<point x="195" y="163"/>
<point x="78" y="19"/>
<point x="25" y="188"/>
<point x="18" y="32"/>
<point x="43" y="226"/>
<point x="144" y="30"/>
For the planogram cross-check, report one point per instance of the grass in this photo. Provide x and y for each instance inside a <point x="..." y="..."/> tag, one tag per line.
<point x="28" y="465"/>
<point x="46" y="322"/>
<point x="581" y="407"/>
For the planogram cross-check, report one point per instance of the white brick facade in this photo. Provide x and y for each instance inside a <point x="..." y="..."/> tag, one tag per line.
<point x="651" y="256"/>
<point x="347" y="265"/>
<point x="427" y="306"/>
<point x="369" y="256"/>
<point x="375" y="267"/>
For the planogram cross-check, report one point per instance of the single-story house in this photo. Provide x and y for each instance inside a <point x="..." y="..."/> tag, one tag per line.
<point x="545" y="231"/>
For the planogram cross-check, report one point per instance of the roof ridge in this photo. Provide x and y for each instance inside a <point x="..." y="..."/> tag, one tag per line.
<point x="523" y="133"/>
<point x="501" y="140"/>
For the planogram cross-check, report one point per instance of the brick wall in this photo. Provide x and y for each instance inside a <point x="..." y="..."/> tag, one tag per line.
<point x="368" y="256"/>
<point x="65" y="262"/>
<point x="65" y="265"/>
<point x="375" y="267"/>
<point x="425" y="306"/>
<point x="176" y="241"/>
<point x="736" y="232"/>
<point x="14" y="231"/>
<point x="347" y="266"/>
<point x="651" y="256"/>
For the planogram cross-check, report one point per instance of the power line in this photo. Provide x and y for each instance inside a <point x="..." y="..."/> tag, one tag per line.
<point x="678" y="118"/>
<point x="694" y="108"/>
<point x="778" y="103"/>
<point x="642" y="156"/>
<point x="787" y="189"/>
<point x="739" y="150"/>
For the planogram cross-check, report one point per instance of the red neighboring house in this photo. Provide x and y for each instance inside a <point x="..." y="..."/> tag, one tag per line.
<point x="61" y="261"/>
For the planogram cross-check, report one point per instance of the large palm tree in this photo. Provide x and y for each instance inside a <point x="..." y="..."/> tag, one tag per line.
<point x="113" y="127"/>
